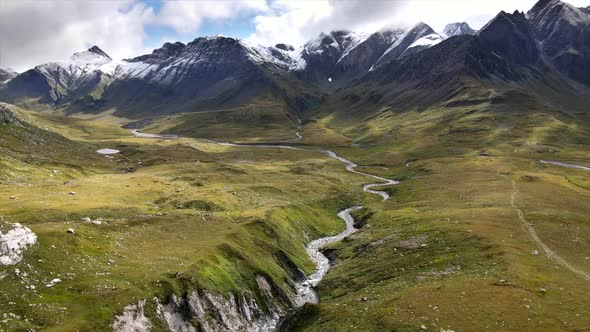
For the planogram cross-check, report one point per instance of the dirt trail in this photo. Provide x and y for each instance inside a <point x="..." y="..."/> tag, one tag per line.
<point x="562" y="164"/>
<point x="532" y="234"/>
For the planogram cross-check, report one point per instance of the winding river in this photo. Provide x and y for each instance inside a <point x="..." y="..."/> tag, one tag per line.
<point x="306" y="289"/>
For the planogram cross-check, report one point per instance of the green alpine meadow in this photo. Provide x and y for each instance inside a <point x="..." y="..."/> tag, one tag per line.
<point x="409" y="178"/>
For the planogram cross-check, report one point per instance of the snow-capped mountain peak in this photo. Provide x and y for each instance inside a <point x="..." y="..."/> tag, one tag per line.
<point x="93" y="55"/>
<point x="457" y="29"/>
<point x="6" y="74"/>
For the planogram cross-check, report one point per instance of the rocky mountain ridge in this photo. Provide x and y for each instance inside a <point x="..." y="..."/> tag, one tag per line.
<point x="210" y="72"/>
<point x="6" y="74"/>
<point x="217" y="72"/>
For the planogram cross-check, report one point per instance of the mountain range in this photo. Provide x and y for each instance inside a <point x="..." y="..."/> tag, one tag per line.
<point x="548" y="46"/>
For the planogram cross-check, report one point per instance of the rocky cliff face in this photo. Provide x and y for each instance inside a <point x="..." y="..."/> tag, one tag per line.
<point x="511" y="37"/>
<point x="410" y="39"/>
<point x="7" y="116"/>
<point x="317" y="59"/>
<point x="564" y="33"/>
<point x="201" y="310"/>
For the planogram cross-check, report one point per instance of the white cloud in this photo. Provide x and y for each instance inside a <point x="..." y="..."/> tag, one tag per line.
<point x="188" y="16"/>
<point x="35" y="32"/>
<point x="296" y="22"/>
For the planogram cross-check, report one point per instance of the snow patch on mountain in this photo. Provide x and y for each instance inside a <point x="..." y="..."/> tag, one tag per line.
<point x="94" y="55"/>
<point x="405" y="40"/>
<point x="298" y="63"/>
<point x="7" y="74"/>
<point x="262" y="54"/>
<point x="352" y="41"/>
<point x="127" y="70"/>
<point x="428" y="40"/>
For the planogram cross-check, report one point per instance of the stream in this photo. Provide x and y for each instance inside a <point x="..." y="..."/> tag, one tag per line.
<point x="306" y="289"/>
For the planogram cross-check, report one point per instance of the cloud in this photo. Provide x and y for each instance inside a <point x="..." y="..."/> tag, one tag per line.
<point x="187" y="17"/>
<point x="298" y="21"/>
<point x="35" y="32"/>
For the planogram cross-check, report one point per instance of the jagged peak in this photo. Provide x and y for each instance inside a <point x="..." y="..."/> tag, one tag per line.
<point x="342" y="32"/>
<point x="551" y="10"/>
<point x="96" y="50"/>
<point x="511" y="36"/>
<point x="8" y="70"/>
<point x="7" y="74"/>
<point x="93" y="55"/>
<point x="458" y="28"/>
<point x="421" y="26"/>
<point x="176" y="44"/>
<point x="544" y="4"/>
<point x="166" y="51"/>
<point x="516" y="18"/>
<point x="284" y="47"/>
<point x="215" y="39"/>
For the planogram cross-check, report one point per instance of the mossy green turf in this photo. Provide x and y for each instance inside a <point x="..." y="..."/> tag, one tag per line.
<point x="192" y="215"/>
<point x="447" y="251"/>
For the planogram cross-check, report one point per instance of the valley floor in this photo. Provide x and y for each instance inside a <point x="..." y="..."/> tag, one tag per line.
<point x="453" y="249"/>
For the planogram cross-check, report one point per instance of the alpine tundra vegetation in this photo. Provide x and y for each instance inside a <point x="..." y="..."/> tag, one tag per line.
<point x="398" y="180"/>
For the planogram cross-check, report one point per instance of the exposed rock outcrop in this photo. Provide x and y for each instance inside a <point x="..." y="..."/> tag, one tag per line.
<point x="201" y="310"/>
<point x="8" y="116"/>
<point x="14" y="240"/>
<point x="132" y="319"/>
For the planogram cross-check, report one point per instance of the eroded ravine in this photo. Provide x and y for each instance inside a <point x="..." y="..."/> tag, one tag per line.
<point x="305" y="290"/>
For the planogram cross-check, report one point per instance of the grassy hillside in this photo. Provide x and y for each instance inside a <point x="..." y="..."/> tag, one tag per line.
<point x="175" y="216"/>
<point x="263" y="120"/>
<point x="449" y="251"/>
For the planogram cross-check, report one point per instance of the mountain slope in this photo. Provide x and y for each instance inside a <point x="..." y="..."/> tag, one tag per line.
<point x="564" y="32"/>
<point x="207" y="73"/>
<point x="84" y="74"/>
<point x="316" y="61"/>
<point x="419" y="37"/>
<point x="27" y="148"/>
<point x="213" y="73"/>
<point x="502" y="57"/>
<point x="333" y="60"/>
<point x="6" y="74"/>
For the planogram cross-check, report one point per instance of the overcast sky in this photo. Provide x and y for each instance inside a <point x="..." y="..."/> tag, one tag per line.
<point x="37" y="31"/>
